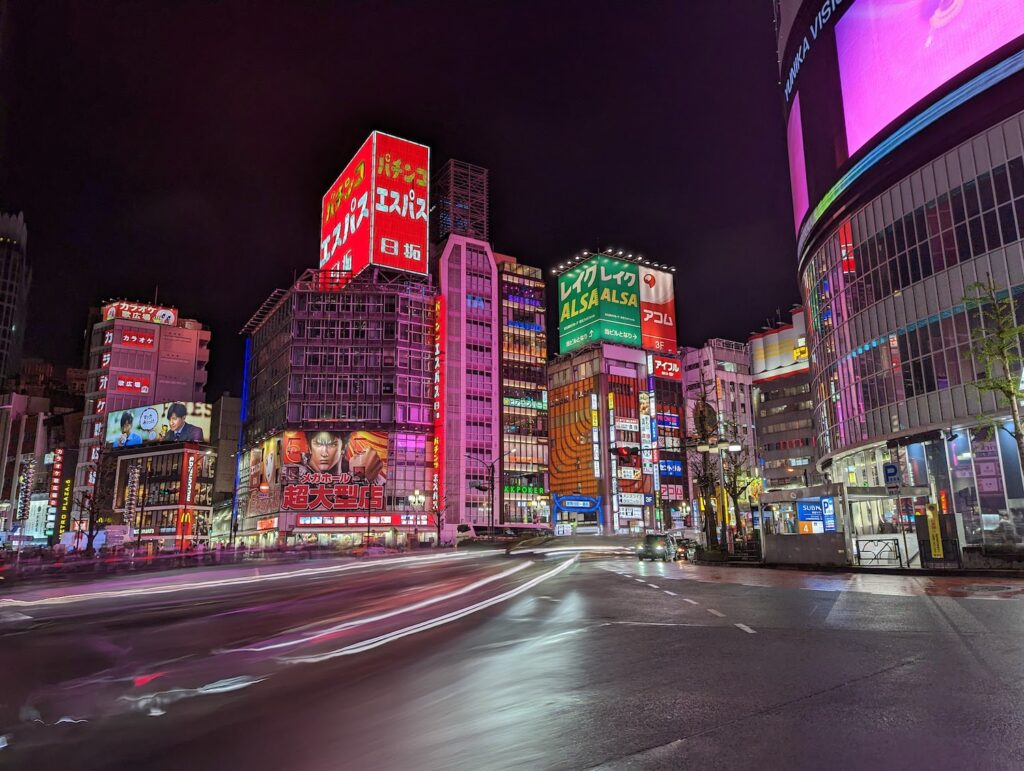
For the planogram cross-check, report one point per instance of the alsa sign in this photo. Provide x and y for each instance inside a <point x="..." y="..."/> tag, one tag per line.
<point x="375" y="213"/>
<point x="668" y="369"/>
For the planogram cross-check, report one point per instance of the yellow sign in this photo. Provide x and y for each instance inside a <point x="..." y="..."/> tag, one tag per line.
<point x="934" y="531"/>
<point x="800" y="353"/>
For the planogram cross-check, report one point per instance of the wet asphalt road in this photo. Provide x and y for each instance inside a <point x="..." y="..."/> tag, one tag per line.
<point x="605" y="663"/>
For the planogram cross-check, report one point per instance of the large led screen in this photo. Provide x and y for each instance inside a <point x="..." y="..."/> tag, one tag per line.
<point x="855" y="73"/>
<point x="894" y="53"/>
<point x="167" y="422"/>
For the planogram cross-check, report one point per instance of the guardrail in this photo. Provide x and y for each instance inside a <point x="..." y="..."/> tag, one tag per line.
<point x="890" y="549"/>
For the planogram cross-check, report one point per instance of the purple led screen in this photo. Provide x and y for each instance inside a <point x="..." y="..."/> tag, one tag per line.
<point x="894" y="53"/>
<point x="797" y="164"/>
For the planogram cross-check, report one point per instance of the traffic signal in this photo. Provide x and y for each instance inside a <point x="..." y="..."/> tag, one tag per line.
<point x="625" y="453"/>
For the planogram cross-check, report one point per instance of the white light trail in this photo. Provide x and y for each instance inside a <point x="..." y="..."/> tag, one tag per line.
<point x="423" y="626"/>
<point x="381" y="616"/>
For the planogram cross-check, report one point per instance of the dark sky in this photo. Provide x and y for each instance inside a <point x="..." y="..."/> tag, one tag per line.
<point x="188" y="144"/>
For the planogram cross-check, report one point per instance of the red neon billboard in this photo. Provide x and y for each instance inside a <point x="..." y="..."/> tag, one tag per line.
<point x="375" y="213"/>
<point x="657" y="311"/>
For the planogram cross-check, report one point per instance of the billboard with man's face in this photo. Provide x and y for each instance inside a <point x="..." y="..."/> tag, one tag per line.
<point x="334" y="470"/>
<point x="166" y="422"/>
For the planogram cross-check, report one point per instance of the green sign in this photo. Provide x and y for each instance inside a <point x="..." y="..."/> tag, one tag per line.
<point x="599" y="300"/>
<point x="524" y="489"/>
<point x="530" y="404"/>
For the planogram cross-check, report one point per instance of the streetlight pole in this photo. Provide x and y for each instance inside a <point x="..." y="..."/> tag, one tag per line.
<point x="490" y="482"/>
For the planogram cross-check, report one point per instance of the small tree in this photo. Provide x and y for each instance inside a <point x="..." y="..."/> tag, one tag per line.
<point x="737" y="477"/>
<point x="96" y="505"/>
<point x="996" y="347"/>
<point x="439" y="518"/>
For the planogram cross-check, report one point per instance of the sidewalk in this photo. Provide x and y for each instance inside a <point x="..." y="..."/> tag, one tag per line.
<point x="870" y="570"/>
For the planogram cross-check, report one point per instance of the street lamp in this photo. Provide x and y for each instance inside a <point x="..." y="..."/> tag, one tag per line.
<point x="489" y="465"/>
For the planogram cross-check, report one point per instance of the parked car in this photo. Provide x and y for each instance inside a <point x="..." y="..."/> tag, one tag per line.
<point x="656" y="546"/>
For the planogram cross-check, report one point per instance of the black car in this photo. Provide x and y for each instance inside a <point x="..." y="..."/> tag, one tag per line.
<point x="655" y="547"/>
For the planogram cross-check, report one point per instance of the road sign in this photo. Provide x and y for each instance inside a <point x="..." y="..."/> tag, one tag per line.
<point x="893" y="480"/>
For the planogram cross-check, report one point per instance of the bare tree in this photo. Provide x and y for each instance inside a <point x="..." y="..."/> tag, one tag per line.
<point x="439" y="518"/>
<point x="996" y="348"/>
<point x="737" y="478"/>
<point x="701" y="467"/>
<point x="96" y="505"/>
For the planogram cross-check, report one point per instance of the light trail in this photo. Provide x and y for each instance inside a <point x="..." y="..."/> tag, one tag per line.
<point x="423" y="626"/>
<point x="381" y="616"/>
<point x="228" y="582"/>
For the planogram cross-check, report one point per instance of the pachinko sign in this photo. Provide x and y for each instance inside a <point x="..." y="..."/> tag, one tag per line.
<point x="375" y="213"/>
<point x="325" y="470"/>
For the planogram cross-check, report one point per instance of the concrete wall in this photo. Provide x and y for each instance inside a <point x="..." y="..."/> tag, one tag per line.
<point x="815" y="549"/>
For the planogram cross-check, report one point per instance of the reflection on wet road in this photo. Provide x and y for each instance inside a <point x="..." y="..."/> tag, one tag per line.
<point x="542" y="661"/>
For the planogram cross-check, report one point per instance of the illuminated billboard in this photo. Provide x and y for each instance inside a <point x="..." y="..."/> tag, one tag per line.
<point x="154" y="314"/>
<point x="860" y="78"/>
<point x="166" y="422"/>
<point x="599" y="300"/>
<point x="657" y="310"/>
<point x="375" y="213"/>
<point x="326" y="470"/>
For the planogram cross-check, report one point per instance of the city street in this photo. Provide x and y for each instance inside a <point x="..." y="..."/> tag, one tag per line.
<point x="485" y="661"/>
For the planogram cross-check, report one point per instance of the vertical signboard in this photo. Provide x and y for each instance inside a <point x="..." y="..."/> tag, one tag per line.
<point x="186" y="498"/>
<point x="599" y="300"/>
<point x="345" y="220"/>
<point x="400" y="195"/>
<point x="375" y="213"/>
<point x="934" y="531"/>
<point x="440" y="325"/>
<point x="657" y="310"/>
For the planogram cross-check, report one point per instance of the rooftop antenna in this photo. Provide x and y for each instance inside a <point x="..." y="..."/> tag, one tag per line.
<point x="156" y="295"/>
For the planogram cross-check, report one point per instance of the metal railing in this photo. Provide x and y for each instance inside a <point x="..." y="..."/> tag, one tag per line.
<point x="889" y="550"/>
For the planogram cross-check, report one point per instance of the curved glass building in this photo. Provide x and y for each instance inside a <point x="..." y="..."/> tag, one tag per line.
<point x="905" y="129"/>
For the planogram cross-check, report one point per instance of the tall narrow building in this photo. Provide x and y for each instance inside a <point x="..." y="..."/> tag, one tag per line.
<point x="460" y="202"/>
<point x="15" y="282"/>
<point x="524" y="394"/>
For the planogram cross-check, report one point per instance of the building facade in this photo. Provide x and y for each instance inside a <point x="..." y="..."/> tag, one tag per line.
<point x="524" y="394"/>
<point x="15" y="282"/>
<point x="783" y="405"/>
<point x="605" y="443"/>
<point x="721" y="368"/>
<point x="472" y="370"/>
<point x="901" y="204"/>
<point x="460" y="202"/>
<point x="337" y="413"/>
<point x="138" y="355"/>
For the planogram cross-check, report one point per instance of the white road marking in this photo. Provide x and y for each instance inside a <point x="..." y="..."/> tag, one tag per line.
<point x="692" y="602"/>
<point x="668" y="592"/>
<point x="653" y="586"/>
<point x="714" y="612"/>
<point x="746" y="628"/>
<point x="640" y="580"/>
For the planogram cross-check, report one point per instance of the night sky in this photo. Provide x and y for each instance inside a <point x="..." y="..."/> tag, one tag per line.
<point x="187" y="145"/>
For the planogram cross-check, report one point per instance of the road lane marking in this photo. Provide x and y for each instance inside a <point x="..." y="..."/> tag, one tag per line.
<point x="640" y="580"/>
<point x="647" y="623"/>
<point x="653" y="586"/>
<point x="692" y="602"/>
<point x="714" y="612"/>
<point x="447" y="618"/>
<point x="668" y="592"/>
<point x="746" y="628"/>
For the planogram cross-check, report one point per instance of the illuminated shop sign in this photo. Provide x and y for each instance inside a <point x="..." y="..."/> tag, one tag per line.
<point x="667" y="368"/>
<point x="576" y="503"/>
<point x="599" y="300"/>
<point x="154" y="314"/>
<point x="525" y="300"/>
<point x="657" y="314"/>
<point x="530" y="327"/>
<point x="529" y="404"/>
<point x="668" y="420"/>
<point x="672" y="468"/>
<point x="331" y="492"/>
<point x="523" y="490"/>
<point x="437" y="482"/>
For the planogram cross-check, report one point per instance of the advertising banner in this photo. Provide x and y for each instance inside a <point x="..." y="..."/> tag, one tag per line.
<point x="437" y="499"/>
<point x="154" y="314"/>
<point x="599" y="300"/>
<point x="375" y="213"/>
<point x="401" y="192"/>
<point x="135" y="338"/>
<point x="165" y="422"/>
<point x="657" y="311"/>
<point x="666" y="368"/>
<point x="345" y="220"/>
<point x="324" y="470"/>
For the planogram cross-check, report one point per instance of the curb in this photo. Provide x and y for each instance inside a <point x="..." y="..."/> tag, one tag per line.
<point x="966" y="572"/>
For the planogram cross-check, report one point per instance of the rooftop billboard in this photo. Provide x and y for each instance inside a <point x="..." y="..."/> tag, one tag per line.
<point x="616" y="301"/>
<point x="375" y="213"/>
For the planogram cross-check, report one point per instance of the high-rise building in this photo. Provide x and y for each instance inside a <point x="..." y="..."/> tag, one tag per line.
<point x="471" y="296"/>
<point x="337" y="412"/>
<point x="15" y="282"/>
<point x="906" y="160"/>
<point x="460" y="202"/>
<point x="783" y="406"/>
<point x="139" y="354"/>
<point x="524" y="394"/>
<point x="606" y="469"/>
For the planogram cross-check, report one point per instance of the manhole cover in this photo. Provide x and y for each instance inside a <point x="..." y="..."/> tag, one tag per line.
<point x="985" y="588"/>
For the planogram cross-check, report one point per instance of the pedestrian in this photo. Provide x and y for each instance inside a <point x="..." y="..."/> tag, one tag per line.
<point x="1006" y="531"/>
